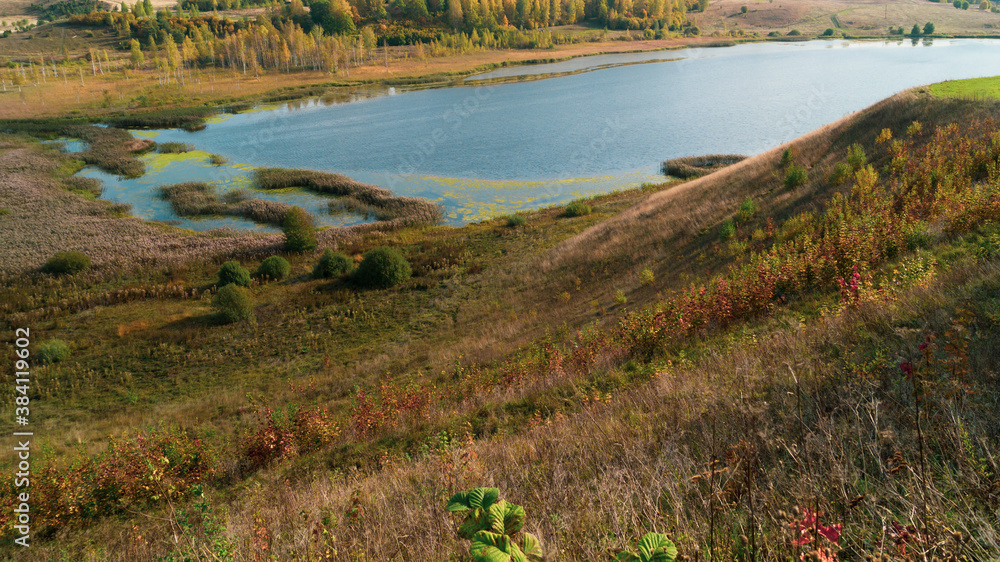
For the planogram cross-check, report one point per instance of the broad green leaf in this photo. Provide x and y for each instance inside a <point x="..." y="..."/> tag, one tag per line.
<point x="459" y="502"/>
<point x="513" y="518"/>
<point x="474" y="522"/>
<point x="494" y="517"/>
<point x="627" y="557"/>
<point x="476" y="497"/>
<point x="531" y="548"/>
<point x="493" y="547"/>
<point x="654" y="547"/>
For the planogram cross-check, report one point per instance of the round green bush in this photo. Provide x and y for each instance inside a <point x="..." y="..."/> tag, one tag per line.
<point x="577" y="209"/>
<point x="382" y="267"/>
<point x="67" y="263"/>
<point x="53" y="351"/>
<point x="300" y="235"/>
<point x="274" y="267"/>
<point x="232" y="272"/>
<point x="233" y="303"/>
<point x="516" y="220"/>
<point x="332" y="264"/>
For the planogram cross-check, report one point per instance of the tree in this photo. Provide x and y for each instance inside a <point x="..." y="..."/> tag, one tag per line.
<point x="928" y="28"/>
<point x="455" y="16"/>
<point x="915" y="31"/>
<point x="137" y="57"/>
<point x="744" y="9"/>
<point x="299" y="230"/>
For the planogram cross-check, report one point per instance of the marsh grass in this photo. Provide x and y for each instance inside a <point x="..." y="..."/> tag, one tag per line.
<point x="174" y="147"/>
<point x="353" y="196"/>
<point x="192" y="199"/>
<point x="697" y="166"/>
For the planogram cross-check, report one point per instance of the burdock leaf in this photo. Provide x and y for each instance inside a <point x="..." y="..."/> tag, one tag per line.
<point x="654" y="547"/>
<point x="493" y="547"/>
<point x="531" y="547"/>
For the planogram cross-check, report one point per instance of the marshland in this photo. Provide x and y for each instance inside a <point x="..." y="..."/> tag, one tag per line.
<point x="790" y="356"/>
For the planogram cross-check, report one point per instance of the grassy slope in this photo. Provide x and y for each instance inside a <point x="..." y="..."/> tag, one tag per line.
<point x="770" y="392"/>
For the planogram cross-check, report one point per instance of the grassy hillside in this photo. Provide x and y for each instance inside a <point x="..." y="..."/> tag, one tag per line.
<point x="809" y="330"/>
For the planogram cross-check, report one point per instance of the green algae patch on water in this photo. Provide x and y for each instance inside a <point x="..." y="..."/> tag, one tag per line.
<point x="475" y="200"/>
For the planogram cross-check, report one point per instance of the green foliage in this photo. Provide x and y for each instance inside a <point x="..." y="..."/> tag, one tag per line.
<point x="577" y="209"/>
<point x="787" y="158"/>
<point x="494" y="527"/>
<point x="232" y="272"/>
<point x="646" y="276"/>
<point x="828" y="32"/>
<point x="382" y="267"/>
<point x="516" y="220"/>
<point x="744" y="9"/>
<point x="727" y="231"/>
<point x="620" y="298"/>
<point x="233" y="303"/>
<point x="52" y="351"/>
<point x="652" y="547"/>
<point x="218" y="160"/>
<point x="299" y="230"/>
<point x="915" y="32"/>
<point x="794" y="33"/>
<point x="332" y="264"/>
<point x="928" y="28"/>
<point x="274" y="267"/>
<point x="66" y="263"/>
<point x="795" y="176"/>
<point x="856" y="157"/>
<point x="748" y="208"/>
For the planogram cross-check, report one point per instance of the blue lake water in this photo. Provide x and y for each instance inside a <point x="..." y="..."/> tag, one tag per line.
<point x="488" y="149"/>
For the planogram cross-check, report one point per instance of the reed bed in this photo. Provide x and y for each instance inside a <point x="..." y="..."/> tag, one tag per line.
<point x="174" y="147"/>
<point x="191" y="199"/>
<point x="697" y="166"/>
<point x="356" y="197"/>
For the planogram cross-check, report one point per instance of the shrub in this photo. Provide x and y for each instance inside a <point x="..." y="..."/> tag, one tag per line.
<point x="52" y="351"/>
<point x="620" y="298"/>
<point x="218" y="159"/>
<point x="332" y="264"/>
<point x="795" y="32"/>
<point x="68" y="263"/>
<point x="382" y="267"/>
<point x="646" y="276"/>
<point x="232" y="273"/>
<point x="298" y="229"/>
<point x="744" y="9"/>
<point x="233" y="303"/>
<point x="727" y="230"/>
<point x="916" y="30"/>
<point x="840" y="173"/>
<point x="856" y="157"/>
<point x="795" y="176"/>
<point x="274" y="267"/>
<point x="494" y="527"/>
<point x="828" y="32"/>
<point x="516" y="220"/>
<point x="928" y="28"/>
<point x="577" y="209"/>
<point x="748" y="208"/>
<point x="787" y="158"/>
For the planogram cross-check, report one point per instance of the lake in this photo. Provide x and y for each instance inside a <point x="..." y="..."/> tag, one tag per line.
<point x="486" y="148"/>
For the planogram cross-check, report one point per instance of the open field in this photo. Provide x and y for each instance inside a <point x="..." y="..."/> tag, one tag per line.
<point x="667" y="362"/>
<point x="853" y="17"/>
